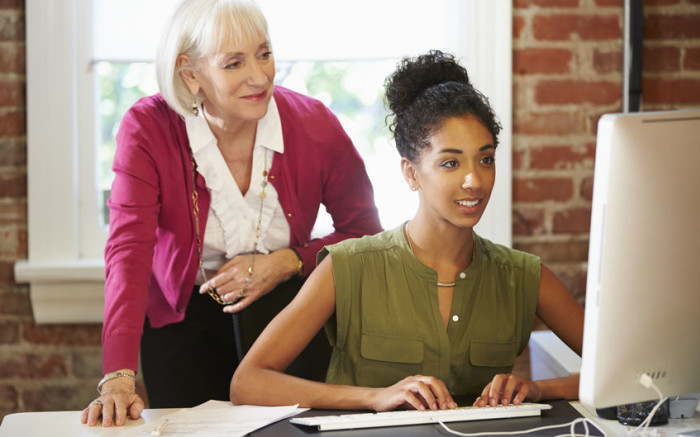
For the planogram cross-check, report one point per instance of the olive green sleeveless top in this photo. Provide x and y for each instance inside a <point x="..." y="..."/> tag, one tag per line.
<point x="387" y="323"/>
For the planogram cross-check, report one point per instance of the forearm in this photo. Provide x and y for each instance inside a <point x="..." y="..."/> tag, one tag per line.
<point x="558" y="388"/>
<point x="272" y="387"/>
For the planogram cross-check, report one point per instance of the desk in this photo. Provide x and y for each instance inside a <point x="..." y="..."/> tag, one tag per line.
<point x="67" y="424"/>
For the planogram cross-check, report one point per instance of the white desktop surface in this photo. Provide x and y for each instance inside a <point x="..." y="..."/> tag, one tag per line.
<point x="67" y="424"/>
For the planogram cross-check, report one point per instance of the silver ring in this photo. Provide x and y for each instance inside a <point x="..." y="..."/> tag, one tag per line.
<point x="98" y="402"/>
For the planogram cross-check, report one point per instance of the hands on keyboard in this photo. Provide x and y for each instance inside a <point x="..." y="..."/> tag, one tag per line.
<point x="417" y="417"/>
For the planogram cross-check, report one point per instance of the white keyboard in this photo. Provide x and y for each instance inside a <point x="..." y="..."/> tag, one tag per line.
<point x="416" y="417"/>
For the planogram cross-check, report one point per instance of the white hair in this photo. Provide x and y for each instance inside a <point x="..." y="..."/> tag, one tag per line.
<point x="198" y="28"/>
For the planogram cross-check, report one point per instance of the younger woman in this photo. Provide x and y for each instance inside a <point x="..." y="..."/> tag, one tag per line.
<point x="429" y="310"/>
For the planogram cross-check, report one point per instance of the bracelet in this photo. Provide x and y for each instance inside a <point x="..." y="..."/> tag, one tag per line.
<point x="300" y="266"/>
<point x="112" y="375"/>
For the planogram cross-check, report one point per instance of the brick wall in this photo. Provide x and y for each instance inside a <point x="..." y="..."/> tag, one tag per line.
<point x="567" y="72"/>
<point x="567" y="68"/>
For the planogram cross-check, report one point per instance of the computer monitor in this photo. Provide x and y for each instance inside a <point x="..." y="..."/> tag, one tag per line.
<point x="643" y="288"/>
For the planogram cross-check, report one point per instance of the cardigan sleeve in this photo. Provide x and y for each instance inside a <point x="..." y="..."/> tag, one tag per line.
<point x="134" y="208"/>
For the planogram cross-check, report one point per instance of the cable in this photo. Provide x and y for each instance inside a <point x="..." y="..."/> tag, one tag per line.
<point x="648" y="382"/>
<point x="571" y="424"/>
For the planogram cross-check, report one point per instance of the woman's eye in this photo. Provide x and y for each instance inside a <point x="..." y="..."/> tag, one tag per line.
<point x="266" y="55"/>
<point x="488" y="160"/>
<point x="449" y="164"/>
<point x="232" y="65"/>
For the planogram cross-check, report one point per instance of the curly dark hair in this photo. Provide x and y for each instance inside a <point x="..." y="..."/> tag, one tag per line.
<point x="425" y="91"/>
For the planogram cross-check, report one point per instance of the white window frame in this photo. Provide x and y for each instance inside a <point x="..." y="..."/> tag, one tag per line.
<point x="65" y="267"/>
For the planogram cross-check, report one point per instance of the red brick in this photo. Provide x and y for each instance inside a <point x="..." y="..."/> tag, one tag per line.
<point x="12" y="124"/>
<point x="542" y="189"/>
<point x="9" y="332"/>
<point x="12" y="58"/>
<point x="661" y="59"/>
<point x="13" y="242"/>
<point x="549" y="123"/>
<point x="528" y="221"/>
<point x="587" y="188"/>
<point x="565" y="92"/>
<point x="33" y="365"/>
<point x="562" y="157"/>
<point x="15" y="303"/>
<point x="518" y="157"/>
<point x="11" y="93"/>
<point x="9" y="400"/>
<point x="692" y="58"/>
<point x="572" y="221"/>
<point x="546" y="3"/>
<point x="670" y="27"/>
<point x="76" y="335"/>
<point x="13" y="212"/>
<point x="12" y="4"/>
<point x="567" y="251"/>
<point x="585" y="27"/>
<point x="13" y="183"/>
<point x="59" y="396"/>
<point x="607" y="62"/>
<point x="671" y="91"/>
<point x="13" y="152"/>
<point x="610" y="2"/>
<point x="518" y="25"/>
<point x="11" y="28"/>
<point x="545" y="61"/>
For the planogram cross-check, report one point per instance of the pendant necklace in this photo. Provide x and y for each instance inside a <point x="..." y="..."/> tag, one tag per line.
<point x="410" y="246"/>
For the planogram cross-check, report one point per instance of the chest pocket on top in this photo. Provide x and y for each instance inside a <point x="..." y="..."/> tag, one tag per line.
<point x="488" y="354"/>
<point x="385" y="360"/>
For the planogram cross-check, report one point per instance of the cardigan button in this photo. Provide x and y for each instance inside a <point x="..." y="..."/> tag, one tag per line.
<point x="462" y="275"/>
<point x="455" y="318"/>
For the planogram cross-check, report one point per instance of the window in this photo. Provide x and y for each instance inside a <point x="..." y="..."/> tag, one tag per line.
<point x="80" y="83"/>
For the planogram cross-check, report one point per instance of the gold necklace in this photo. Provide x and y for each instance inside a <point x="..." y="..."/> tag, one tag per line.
<point x="410" y="246"/>
<point x="195" y="205"/>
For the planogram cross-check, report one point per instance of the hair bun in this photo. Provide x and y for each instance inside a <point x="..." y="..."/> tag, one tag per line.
<point x="414" y="76"/>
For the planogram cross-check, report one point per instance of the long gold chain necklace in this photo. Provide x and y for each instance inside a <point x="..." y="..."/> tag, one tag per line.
<point x="258" y="229"/>
<point x="410" y="246"/>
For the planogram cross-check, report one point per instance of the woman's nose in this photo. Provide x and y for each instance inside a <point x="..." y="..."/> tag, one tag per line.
<point x="471" y="181"/>
<point x="256" y="75"/>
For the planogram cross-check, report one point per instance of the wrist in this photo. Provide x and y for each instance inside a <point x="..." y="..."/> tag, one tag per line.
<point x="122" y="375"/>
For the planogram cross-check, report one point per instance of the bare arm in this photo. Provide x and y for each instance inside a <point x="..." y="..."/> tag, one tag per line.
<point x="260" y="378"/>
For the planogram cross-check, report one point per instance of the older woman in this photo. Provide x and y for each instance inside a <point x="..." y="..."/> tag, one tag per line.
<point x="218" y="181"/>
<point x="429" y="309"/>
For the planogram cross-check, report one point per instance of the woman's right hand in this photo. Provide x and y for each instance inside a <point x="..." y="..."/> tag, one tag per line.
<point x="117" y="400"/>
<point x="418" y="391"/>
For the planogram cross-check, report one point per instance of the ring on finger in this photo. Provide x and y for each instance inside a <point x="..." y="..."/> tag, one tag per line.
<point x="98" y="402"/>
<point x="244" y="290"/>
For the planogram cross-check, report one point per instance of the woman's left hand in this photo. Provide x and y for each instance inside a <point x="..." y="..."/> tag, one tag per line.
<point x="508" y="388"/>
<point x="243" y="281"/>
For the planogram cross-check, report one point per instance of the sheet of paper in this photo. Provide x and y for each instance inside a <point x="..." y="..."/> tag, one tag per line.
<point x="214" y="419"/>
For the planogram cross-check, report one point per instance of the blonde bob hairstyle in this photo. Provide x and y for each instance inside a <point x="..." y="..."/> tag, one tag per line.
<point x="198" y="28"/>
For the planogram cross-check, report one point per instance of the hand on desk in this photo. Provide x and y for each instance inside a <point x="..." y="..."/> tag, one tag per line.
<point x="118" y="399"/>
<point x="419" y="392"/>
<point x="507" y="388"/>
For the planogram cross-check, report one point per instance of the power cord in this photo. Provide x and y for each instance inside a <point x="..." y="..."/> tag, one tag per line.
<point x="572" y="432"/>
<point x="648" y="382"/>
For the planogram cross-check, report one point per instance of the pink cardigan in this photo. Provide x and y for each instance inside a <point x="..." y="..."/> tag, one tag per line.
<point x="151" y="256"/>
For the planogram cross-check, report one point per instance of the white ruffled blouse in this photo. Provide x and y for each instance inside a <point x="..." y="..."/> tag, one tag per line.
<point x="233" y="218"/>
